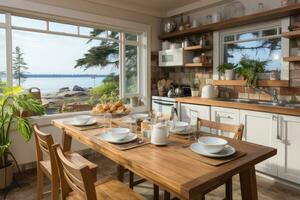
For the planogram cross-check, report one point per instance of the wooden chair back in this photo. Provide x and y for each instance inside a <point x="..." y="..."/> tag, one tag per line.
<point x="43" y="142"/>
<point x="72" y="176"/>
<point x="236" y="129"/>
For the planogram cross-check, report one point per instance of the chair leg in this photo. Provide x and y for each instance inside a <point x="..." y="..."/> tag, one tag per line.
<point x="40" y="183"/>
<point x="155" y="192"/>
<point x="167" y="195"/>
<point x="54" y="188"/>
<point x="131" y="179"/>
<point x="228" y="189"/>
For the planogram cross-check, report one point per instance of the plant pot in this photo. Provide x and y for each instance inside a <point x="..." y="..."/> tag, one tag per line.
<point x="6" y="176"/>
<point x="229" y="74"/>
<point x="222" y="76"/>
<point x="195" y="93"/>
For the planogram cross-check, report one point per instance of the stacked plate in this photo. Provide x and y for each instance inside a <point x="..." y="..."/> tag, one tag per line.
<point x="82" y="120"/>
<point x="212" y="147"/>
<point x="118" y="136"/>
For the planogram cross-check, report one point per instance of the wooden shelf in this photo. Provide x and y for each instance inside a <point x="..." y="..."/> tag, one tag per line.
<point x="237" y="21"/>
<point x="291" y="35"/>
<point x="197" y="47"/>
<point x="262" y="83"/>
<point x="292" y="59"/>
<point x="197" y="65"/>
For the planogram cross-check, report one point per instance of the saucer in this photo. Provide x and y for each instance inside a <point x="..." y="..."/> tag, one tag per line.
<point x="199" y="149"/>
<point x="106" y="137"/>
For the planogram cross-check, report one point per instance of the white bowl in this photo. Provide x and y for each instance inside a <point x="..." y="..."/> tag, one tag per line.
<point x="212" y="144"/>
<point x="140" y="116"/>
<point x="179" y="126"/>
<point x="118" y="133"/>
<point x="82" y="119"/>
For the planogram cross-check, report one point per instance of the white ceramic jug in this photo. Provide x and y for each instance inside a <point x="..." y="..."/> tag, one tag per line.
<point x="160" y="134"/>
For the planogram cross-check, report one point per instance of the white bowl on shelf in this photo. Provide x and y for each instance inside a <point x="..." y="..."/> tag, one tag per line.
<point x="118" y="133"/>
<point x="212" y="144"/>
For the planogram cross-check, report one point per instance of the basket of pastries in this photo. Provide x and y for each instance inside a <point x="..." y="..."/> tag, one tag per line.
<point x="113" y="108"/>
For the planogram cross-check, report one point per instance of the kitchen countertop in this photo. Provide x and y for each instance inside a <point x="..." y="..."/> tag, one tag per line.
<point x="238" y="105"/>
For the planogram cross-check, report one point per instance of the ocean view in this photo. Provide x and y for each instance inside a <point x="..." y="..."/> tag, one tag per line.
<point x="53" y="84"/>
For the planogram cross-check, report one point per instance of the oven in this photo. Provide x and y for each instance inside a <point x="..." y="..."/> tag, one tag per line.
<point x="163" y="105"/>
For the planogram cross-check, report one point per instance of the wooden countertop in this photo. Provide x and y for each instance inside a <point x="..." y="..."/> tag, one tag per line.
<point x="238" y="105"/>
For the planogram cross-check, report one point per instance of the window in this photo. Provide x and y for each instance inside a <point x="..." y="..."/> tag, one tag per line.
<point x="3" y="57"/>
<point x="263" y="44"/>
<point x="2" y="18"/>
<point x="73" y="67"/>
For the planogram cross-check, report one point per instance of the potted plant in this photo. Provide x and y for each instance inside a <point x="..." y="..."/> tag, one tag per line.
<point x="13" y="102"/>
<point x="226" y="71"/>
<point x="249" y="68"/>
<point x="195" y="87"/>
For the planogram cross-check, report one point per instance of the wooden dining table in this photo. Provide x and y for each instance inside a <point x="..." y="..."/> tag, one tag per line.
<point x="182" y="175"/>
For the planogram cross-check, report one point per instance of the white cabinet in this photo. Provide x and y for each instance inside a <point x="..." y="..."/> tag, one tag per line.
<point x="190" y="113"/>
<point x="225" y="115"/>
<point x="289" y="148"/>
<point x="261" y="128"/>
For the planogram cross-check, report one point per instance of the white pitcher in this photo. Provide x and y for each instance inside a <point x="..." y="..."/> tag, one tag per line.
<point x="160" y="134"/>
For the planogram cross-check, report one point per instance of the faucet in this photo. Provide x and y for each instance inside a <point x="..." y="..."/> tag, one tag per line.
<point x="272" y="92"/>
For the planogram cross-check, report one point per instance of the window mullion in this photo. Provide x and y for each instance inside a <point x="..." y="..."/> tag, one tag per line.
<point x="9" y="62"/>
<point x="122" y="66"/>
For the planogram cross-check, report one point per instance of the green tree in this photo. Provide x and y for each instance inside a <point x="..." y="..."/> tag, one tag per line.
<point x="106" y="53"/>
<point x="19" y="65"/>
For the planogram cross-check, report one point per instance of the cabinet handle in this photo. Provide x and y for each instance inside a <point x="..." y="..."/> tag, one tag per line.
<point x="278" y="129"/>
<point x="225" y="116"/>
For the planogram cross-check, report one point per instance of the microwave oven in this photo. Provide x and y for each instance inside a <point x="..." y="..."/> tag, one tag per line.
<point x="174" y="57"/>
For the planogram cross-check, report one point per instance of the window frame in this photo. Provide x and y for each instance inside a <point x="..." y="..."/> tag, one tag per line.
<point x="218" y="42"/>
<point x="141" y="35"/>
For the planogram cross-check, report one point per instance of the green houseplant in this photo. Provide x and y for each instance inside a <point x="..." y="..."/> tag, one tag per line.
<point x="249" y="68"/>
<point x="226" y="71"/>
<point x="13" y="102"/>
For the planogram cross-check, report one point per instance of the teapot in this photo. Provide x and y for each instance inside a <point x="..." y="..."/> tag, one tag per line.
<point x="160" y="134"/>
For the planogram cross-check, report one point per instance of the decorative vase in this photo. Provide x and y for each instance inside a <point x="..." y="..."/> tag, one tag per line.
<point x="229" y="74"/>
<point x="6" y="176"/>
<point x="195" y="93"/>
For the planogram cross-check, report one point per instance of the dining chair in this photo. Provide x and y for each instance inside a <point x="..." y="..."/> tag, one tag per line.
<point x="79" y="182"/>
<point x="238" y="135"/>
<point x="46" y="165"/>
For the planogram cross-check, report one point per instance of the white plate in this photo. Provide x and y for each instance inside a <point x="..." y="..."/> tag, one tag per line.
<point x="198" y="148"/>
<point x="71" y="121"/>
<point x="184" y="132"/>
<point x="106" y="137"/>
<point x="139" y="116"/>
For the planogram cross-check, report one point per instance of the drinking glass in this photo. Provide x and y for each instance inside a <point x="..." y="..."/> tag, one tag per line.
<point x="107" y="118"/>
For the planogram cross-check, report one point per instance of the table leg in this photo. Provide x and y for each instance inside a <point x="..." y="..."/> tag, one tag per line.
<point x="66" y="141"/>
<point x="155" y="192"/>
<point x="167" y="195"/>
<point x="248" y="184"/>
<point x="120" y="172"/>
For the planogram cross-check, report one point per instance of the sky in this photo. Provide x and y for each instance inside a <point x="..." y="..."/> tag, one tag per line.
<point x="49" y="53"/>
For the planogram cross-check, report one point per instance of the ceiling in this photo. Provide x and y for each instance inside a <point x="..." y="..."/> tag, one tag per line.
<point x="159" y="8"/>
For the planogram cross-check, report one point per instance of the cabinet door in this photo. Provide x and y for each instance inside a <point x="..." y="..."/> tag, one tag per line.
<point x="190" y="113"/>
<point x="225" y="115"/>
<point x="289" y="148"/>
<point x="261" y="128"/>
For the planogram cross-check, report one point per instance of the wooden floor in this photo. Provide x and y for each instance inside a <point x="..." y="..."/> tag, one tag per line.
<point x="25" y="189"/>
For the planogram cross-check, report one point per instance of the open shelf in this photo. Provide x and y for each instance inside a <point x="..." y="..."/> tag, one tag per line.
<point x="262" y="83"/>
<point x="197" y="47"/>
<point x="291" y="35"/>
<point x="237" y="21"/>
<point x="292" y="59"/>
<point x="197" y="65"/>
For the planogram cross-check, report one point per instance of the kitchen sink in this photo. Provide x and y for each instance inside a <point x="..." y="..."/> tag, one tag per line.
<point x="238" y="100"/>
